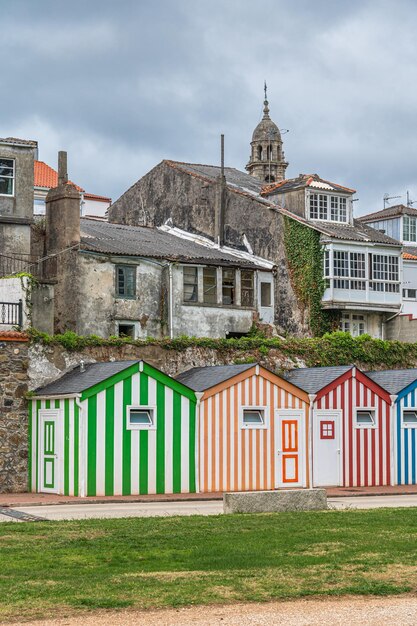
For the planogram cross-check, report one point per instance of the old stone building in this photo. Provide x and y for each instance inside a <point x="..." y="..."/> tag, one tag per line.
<point x="17" y="158"/>
<point x="362" y="268"/>
<point x="141" y="281"/>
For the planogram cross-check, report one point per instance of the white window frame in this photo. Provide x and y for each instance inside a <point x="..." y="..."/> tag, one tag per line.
<point x="326" y="204"/>
<point x="11" y="195"/>
<point x="411" y="222"/>
<point x="263" y="426"/>
<point x="373" y="426"/>
<point x="404" y="410"/>
<point x="141" y="407"/>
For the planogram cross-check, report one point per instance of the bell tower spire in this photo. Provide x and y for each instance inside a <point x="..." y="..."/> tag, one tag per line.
<point x="267" y="160"/>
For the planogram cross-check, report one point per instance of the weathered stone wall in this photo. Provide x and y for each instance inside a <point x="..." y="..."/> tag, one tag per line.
<point x="16" y="210"/>
<point x="167" y="192"/>
<point x="46" y="363"/>
<point x="13" y="414"/>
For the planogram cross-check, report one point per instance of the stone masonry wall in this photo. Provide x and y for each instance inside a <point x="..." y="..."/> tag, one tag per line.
<point x="13" y="412"/>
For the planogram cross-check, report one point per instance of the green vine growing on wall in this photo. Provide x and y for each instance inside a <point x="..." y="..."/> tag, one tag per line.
<point x="305" y="257"/>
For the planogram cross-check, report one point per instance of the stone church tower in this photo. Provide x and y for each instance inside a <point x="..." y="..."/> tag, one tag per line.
<point x="267" y="160"/>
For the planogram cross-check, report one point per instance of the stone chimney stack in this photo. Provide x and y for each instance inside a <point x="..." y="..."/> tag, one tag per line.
<point x="61" y="239"/>
<point x="62" y="212"/>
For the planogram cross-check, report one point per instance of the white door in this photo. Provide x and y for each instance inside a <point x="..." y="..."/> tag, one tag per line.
<point x="48" y="451"/>
<point x="326" y="448"/>
<point x="290" y="448"/>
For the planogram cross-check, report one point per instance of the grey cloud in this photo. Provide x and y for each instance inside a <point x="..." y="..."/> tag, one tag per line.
<point x="124" y="85"/>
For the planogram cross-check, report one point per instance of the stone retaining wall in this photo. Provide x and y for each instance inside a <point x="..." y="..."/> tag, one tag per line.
<point x="13" y="412"/>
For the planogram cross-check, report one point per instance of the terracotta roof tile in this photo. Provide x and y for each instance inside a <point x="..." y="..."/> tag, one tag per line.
<point x="47" y="177"/>
<point x="304" y="180"/>
<point x="388" y="212"/>
<point x="93" y="196"/>
<point x="13" y="335"/>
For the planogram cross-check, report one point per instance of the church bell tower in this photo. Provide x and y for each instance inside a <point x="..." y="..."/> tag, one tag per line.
<point x="267" y="160"/>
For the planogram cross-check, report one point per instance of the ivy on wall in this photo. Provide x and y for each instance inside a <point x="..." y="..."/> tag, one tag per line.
<point x="305" y="257"/>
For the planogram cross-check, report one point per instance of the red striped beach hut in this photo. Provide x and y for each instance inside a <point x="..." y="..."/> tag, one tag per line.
<point x="351" y="426"/>
<point x="253" y="429"/>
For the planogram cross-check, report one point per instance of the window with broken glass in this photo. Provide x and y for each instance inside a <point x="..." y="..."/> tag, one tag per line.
<point x="247" y="287"/>
<point x="190" y="284"/>
<point x="228" y="286"/>
<point x="210" y="285"/>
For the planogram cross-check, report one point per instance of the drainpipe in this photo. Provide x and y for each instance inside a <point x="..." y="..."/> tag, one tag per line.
<point x="391" y="318"/>
<point x="393" y="471"/>
<point x="83" y="446"/>
<point x="171" y="303"/>
<point x="198" y="395"/>
<point x="311" y="397"/>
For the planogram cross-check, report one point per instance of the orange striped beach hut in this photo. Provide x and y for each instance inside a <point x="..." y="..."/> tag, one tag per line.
<point x="253" y="429"/>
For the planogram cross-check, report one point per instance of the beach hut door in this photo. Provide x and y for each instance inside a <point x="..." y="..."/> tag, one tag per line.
<point x="326" y="451"/>
<point x="48" y="447"/>
<point x="290" y="449"/>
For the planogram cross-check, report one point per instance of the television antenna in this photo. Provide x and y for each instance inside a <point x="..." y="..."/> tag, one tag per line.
<point x="387" y="198"/>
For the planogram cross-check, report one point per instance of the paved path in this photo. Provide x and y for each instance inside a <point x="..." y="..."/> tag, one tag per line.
<point x="343" y="611"/>
<point x="203" y="507"/>
<point x="372" y="502"/>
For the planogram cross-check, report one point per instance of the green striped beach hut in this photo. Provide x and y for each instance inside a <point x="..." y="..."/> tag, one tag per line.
<point x="115" y="428"/>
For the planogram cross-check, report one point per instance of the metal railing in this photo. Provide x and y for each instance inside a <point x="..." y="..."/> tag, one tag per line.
<point x="10" y="265"/>
<point x="11" y="313"/>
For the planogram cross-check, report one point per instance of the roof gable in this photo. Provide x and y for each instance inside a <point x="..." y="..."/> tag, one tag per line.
<point x="236" y="181"/>
<point x="305" y="180"/>
<point x="394" y="381"/>
<point x="215" y="378"/>
<point x="389" y="212"/>
<point x="314" y="379"/>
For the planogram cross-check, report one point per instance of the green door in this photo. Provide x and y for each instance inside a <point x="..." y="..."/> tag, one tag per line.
<point x="48" y="452"/>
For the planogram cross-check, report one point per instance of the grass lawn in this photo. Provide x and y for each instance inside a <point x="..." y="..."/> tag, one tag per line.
<point x="58" y="568"/>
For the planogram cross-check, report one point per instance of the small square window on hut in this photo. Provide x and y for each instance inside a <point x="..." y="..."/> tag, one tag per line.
<point x="365" y="418"/>
<point x="253" y="417"/>
<point x="410" y="418"/>
<point x="141" y="418"/>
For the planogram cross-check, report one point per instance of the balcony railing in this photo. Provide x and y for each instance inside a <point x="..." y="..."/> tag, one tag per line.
<point x="11" y="314"/>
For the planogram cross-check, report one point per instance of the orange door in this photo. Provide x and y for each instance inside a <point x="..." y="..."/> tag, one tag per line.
<point x="290" y="450"/>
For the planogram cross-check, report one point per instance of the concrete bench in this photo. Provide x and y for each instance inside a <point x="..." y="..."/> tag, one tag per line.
<point x="273" y="501"/>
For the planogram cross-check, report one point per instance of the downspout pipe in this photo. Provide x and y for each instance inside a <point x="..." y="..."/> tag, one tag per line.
<point x="198" y="395"/>
<point x="311" y="397"/>
<point x="83" y="447"/>
<point x="393" y="439"/>
<point x="170" y="302"/>
<point x="391" y="318"/>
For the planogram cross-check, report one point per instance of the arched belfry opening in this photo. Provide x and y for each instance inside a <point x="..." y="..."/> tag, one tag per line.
<point x="267" y="160"/>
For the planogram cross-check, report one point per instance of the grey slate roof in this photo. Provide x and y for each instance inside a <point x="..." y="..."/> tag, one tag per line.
<point x="394" y="381"/>
<point x="388" y="212"/>
<point x="312" y="379"/>
<point x="345" y="232"/>
<point x="235" y="179"/>
<point x="202" y="378"/>
<point x="76" y="381"/>
<point x="118" y="239"/>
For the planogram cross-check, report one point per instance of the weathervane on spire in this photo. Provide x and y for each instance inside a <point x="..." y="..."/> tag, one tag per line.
<point x="265" y="90"/>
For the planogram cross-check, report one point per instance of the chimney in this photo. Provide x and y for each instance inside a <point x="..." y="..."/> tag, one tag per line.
<point x="220" y="198"/>
<point x="62" y="212"/>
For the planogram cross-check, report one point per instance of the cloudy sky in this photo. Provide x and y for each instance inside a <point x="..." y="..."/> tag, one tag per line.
<point x="123" y="85"/>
